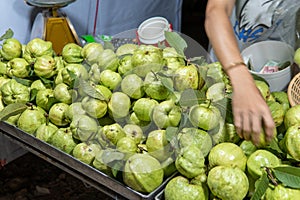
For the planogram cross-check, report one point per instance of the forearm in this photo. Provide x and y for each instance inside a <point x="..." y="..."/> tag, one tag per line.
<point x="220" y="33"/>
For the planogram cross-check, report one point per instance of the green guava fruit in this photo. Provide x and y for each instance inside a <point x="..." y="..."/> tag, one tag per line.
<point x="45" y="131"/>
<point x="228" y="183"/>
<point x="248" y="147"/>
<point x="186" y="77"/>
<point x="147" y="58"/>
<point x="194" y="136"/>
<point x="91" y="51"/>
<point x="86" y="151"/>
<point x="14" y="92"/>
<point x="181" y="188"/>
<point x="57" y="114"/>
<point x="291" y="142"/>
<point x="75" y="109"/>
<point x="45" y="66"/>
<point x="63" y="93"/>
<point x="133" y="86"/>
<point x="84" y="127"/>
<point x="143" y="108"/>
<point x="11" y="48"/>
<point x="277" y="112"/>
<point x="94" y="107"/>
<point x="18" y="67"/>
<point x="258" y="160"/>
<point x="157" y="88"/>
<point x="282" y="193"/>
<point x="99" y="164"/>
<point x="108" y="60"/>
<point x="109" y="135"/>
<point x="31" y="119"/>
<point x="125" y="49"/>
<point x="226" y="132"/>
<point x="227" y="154"/>
<point x="204" y="116"/>
<point x="72" y="72"/>
<point x="282" y="98"/>
<point x="63" y="140"/>
<point x="190" y="162"/>
<point x="71" y="53"/>
<point x="38" y="85"/>
<point x="135" y="132"/>
<point x="36" y="48"/>
<point x="45" y="98"/>
<point x="166" y="114"/>
<point x="127" y="146"/>
<point x="292" y="116"/>
<point x="125" y="65"/>
<point x="297" y="56"/>
<point x="143" y="173"/>
<point x="110" y="79"/>
<point x="119" y="105"/>
<point x="158" y="145"/>
<point x="263" y="88"/>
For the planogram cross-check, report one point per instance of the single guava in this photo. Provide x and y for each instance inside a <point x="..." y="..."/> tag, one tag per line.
<point x="292" y="116"/>
<point x="227" y="154"/>
<point x="45" y="131"/>
<point x="166" y="114"/>
<point x="133" y="86"/>
<point x="280" y="192"/>
<point x="86" y="152"/>
<point x="143" y="108"/>
<point x="205" y="116"/>
<point x="228" y="183"/>
<point x="119" y="105"/>
<point x="57" y="114"/>
<point x="158" y="145"/>
<point x="143" y="173"/>
<point x="63" y="140"/>
<point x="31" y="119"/>
<point x="194" y="136"/>
<point x="180" y="188"/>
<point x="260" y="159"/>
<point x="190" y="161"/>
<point x="291" y="141"/>
<point x="135" y="132"/>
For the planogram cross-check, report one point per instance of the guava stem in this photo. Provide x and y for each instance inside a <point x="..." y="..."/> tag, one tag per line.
<point x="271" y="177"/>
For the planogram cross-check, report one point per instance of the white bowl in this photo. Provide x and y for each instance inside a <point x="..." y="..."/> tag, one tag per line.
<point x="260" y="53"/>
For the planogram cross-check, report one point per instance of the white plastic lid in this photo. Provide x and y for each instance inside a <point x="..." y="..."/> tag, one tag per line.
<point x="151" y="31"/>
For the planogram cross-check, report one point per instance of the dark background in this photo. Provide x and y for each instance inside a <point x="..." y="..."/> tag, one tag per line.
<point x="31" y="178"/>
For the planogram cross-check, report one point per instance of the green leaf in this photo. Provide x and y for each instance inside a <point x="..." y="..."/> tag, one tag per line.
<point x="91" y="91"/>
<point x="33" y="93"/>
<point x="288" y="175"/>
<point x="171" y="133"/>
<point x="116" y="168"/>
<point x="11" y="110"/>
<point x="261" y="185"/>
<point x="167" y="83"/>
<point x="25" y="82"/>
<point x="176" y="41"/>
<point x="198" y="60"/>
<point x="8" y="34"/>
<point x="191" y="97"/>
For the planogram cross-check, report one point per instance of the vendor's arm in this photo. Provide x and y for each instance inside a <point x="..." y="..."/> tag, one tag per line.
<point x="250" y="110"/>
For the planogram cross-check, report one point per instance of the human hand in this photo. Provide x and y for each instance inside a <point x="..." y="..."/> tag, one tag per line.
<point x="251" y="114"/>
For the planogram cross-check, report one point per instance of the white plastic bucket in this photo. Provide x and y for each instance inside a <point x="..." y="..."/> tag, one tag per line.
<point x="258" y="54"/>
<point x="151" y="31"/>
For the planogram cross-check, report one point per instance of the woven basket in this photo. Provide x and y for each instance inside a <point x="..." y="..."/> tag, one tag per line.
<point x="293" y="90"/>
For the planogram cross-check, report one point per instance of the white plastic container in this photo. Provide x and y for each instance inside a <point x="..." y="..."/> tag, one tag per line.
<point x="258" y="54"/>
<point x="151" y="31"/>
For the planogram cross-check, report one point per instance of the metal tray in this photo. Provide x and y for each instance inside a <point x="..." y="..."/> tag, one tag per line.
<point x="78" y="169"/>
